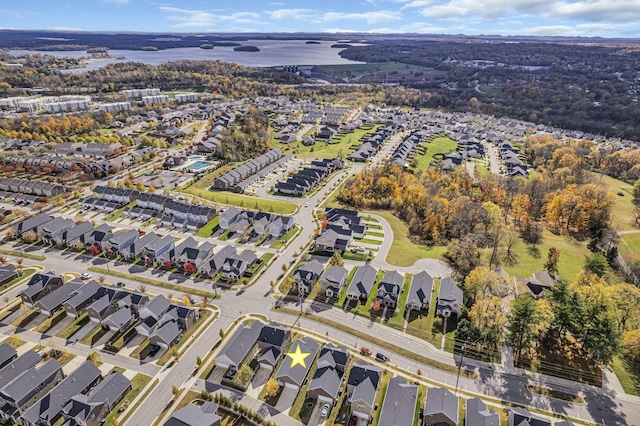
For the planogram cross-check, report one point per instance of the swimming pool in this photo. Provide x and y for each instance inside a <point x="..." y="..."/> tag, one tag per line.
<point x="198" y="165"/>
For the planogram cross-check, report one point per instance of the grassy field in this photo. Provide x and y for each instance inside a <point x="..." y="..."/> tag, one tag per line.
<point x="354" y="70"/>
<point x="629" y="244"/>
<point x="491" y="90"/>
<point x="623" y="211"/>
<point x="207" y="229"/>
<point x="437" y="146"/>
<point x="341" y="145"/>
<point x="572" y="255"/>
<point x="405" y="252"/>
<point x="629" y="379"/>
<point x="239" y="200"/>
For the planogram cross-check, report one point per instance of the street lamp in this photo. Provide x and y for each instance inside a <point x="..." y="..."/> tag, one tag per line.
<point x="464" y="348"/>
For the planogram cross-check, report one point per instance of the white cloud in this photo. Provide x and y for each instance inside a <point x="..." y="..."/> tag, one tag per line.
<point x="370" y="17"/>
<point x="205" y="19"/>
<point x="297" y="14"/>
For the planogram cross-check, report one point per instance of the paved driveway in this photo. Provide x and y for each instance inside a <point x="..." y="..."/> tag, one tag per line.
<point x="79" y="335"/>
<point x="316" y="419"/>
<point x="216" y="375"/>
<point x="60" y="326"/>
<point x="261" y="377"/>
<point x="286" y="400"/>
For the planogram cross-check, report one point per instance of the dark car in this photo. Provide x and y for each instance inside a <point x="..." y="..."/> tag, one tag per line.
<point x="154" y="350"/>
<point x="381" y="357"/>
<point x="120" y="284"/>
<point x="353" y="421"/>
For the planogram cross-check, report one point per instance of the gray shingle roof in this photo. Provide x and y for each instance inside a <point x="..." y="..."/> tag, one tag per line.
<point x="476" y="414"/>
<point x="21" y="386"/>
<point x="296" y="374"/>
<point x="60" y="295"/>
<point x="239" y="345"/>
<point x="363" y="280"/>
<point x="442" y="401"/>
<point x="326" y="379"/>
<point x="421" y="288"/>
<point x="6" y="353"/>
<point x="365" y="391"/>
<point x="190" y="415"/>
<point x="50" y="405"/>
<point x="399" y="403"/>
<point x="18" y="366"/>
<point x="87" y="291"/>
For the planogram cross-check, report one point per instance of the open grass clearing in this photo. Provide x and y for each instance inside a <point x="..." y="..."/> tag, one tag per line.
<point x="628" y="375"/>
<point x="441" y="145"/>
<point x="341" y="145"/>
<point x="623" y="210"/>
<point x="244" y="201"/>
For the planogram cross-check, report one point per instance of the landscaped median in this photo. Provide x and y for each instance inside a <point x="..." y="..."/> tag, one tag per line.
<point x="382" y="343"/>
<point x="151" y="281"/>
<point x="22" y="254"/>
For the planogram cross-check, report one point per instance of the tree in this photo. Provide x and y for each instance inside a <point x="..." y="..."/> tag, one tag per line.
<point x="336" y="260"/>
<point x="595" y="264"/>
<point x="29" y="237"/>
<point x="463" y="256"/>
<point x="477" y="283"/>
<point x="510" y="256"/>
<point x="523" y="320"/>
<point x="245" y="374"/>
<point x="189" y="268"/>
<point x="271" y="388"/>
<point x="102" y="279"/>
<point x="205" y="300"/>
<point x="142" y="288"/>
<point x="566" y="306"/>
<point x="553" y="258"/>
<point x="94" y="357"/>
<point x="631" y="345"/>
<point x="10" y="234"/>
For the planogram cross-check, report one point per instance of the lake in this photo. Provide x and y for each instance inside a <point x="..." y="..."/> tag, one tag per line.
<point x="272" y="53"/>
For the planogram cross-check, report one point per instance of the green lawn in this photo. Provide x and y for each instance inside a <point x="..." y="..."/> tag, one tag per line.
<point x="623" y="211"/>
<point x="421" y="325"/>
<point x="207" y="229"/>
<point x="24" y="275"/>
<point x="572" y="255"/>
<point x="370" y="241"/>
<point x="397" y="320"/>
<point x="629" y="379"/>
<point x="437" y="146"/>
<point x="76" y="325"/>
<point x="629" y="244"/>
<point x="341" y="145"/>
<point x="245" y="201"/>
<point x="405" y="252"/>
<point x="284" y="240"/>
<point x="22" y="254"/>
<point x="343" y="292"/>
<point x="364" y="309"/>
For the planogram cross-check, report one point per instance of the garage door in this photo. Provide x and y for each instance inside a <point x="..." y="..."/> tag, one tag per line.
<point x="360" y="415"/>
<point x="292" y="386"/>
<point x="326" y="399"/>
<point x="162" y="345"/>
<point x="267" y="366"/>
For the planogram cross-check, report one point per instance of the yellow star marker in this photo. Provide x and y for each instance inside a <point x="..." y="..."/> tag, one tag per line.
<point x="297" y="357"/>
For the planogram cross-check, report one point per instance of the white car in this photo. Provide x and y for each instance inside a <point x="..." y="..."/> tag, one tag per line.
<point x="325" y="410"/>
<point x="85" y="276"/>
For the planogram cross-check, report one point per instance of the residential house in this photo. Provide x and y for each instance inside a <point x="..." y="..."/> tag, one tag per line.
<point x="280" y="226"/>
<point x="17" y="396"/>
<point x="362" y="386"/>
<point x="399" y="407"/>
<point x="192" y="415"/>
<point x="7" y="354"/>
<point x="78" y="233"/>
<point x="389" y="289"/>
<point x="119" y="320"/>
<point x="166" y="335"/>
<point x="119" y="242"/>
<point x="17" y="366"/>
<point x="47" y="410"/>
<point x="189" y="251"/>
<point x="449" y="299"/>
<point x="135" y="249"/>
<point x="440" y="408"/>
<point x="539" y="282"/>
<point x="239" y="346"/>
<point x="214" y="265"/>
<point x="39" y="286"/>
<point x="325" y="384"/>
<point x="476" y="414"/>
<point x="228" y="218"/>
<point x="54" y="229"/>
<point x="236" y="265"/>
<point x="81" y="299"/>
<point x="52" y="302"/>
<point x="307" y="275"/>
<point x="293" y="375"/>
<point x="362" y="283"/>
<point x="272" y="341"/>
<point x="35" y="224"/>
<point x="420" y="292"/>
<point x="523" y="417"/>
<point x="96" y="239"/>
<point x="106" y="302"/>
<point x="332" y="280"/>
<point x="154" y="251"/>
<point x="8" y="273"/>
<point x="91" y="410"/>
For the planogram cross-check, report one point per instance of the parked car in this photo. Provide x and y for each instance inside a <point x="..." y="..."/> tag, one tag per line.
<point x="120" y="284"/>
<point x="381" y="357"/>
<point x="325" y="410"/>
<point x="154" y="350"/>
<point x="85" y="276"/>
<point x="353" y="421"/>
<point x="365" y="351"/>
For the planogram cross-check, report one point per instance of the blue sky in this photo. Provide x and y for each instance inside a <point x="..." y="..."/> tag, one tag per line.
<point x="605" y="18"/>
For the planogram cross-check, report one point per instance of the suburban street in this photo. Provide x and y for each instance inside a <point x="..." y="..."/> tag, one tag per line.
<point x="604" y="406"/>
